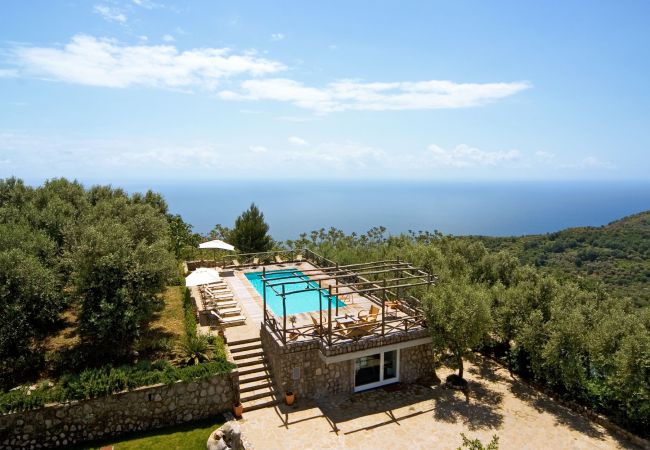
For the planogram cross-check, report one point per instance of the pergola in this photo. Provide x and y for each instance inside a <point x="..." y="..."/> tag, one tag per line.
<point x="378" y="281"/>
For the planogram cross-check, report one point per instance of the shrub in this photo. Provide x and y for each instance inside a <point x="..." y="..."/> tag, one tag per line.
<point x="92" y="383"/>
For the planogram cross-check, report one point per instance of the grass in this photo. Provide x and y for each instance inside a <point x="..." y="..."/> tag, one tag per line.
<point x="189" y="436"/>
<point x="166" y="327"/>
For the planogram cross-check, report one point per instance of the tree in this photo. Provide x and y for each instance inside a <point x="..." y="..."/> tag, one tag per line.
<point x="30" y="301"/>
<point x="250" y="232"/>
<point x="121" y="261"/>
<point x="458" y="315"/>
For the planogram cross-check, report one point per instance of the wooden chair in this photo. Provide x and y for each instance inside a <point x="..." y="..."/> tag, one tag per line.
<point x="318" y="328"/>
<point x="370" y="315"/>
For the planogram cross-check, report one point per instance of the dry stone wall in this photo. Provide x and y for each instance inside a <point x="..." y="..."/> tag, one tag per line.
<point x="146" y="408"/>
<point x="317" y="379"/>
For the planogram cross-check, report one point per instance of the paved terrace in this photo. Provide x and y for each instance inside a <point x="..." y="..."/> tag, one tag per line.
<point x="252" y="302"/>
<point x="429" y="417"/>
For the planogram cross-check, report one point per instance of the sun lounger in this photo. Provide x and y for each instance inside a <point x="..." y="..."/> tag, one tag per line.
<point x="256" y="262"/>
<point x="222" y="303"/>
<point x="220" y="296"/>
<point x="228" y="320"/>
<point x="236" y="263"/>
<point x="299" y="259"/>
<point x="229" y="311"/>
<point x="370" y="315"/>
<point x="278" y="259"/>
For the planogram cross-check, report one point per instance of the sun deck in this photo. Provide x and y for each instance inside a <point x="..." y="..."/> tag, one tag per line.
<point x="378" y="298"/>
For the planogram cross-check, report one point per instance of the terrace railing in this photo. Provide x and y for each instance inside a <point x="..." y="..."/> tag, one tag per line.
<point x="354" y="279"/>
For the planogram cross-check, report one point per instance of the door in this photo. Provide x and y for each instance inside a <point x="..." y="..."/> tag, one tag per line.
<point x="376" y="370"/>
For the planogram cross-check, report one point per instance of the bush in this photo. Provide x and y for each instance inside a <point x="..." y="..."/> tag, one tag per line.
<point x="93" y="383"/>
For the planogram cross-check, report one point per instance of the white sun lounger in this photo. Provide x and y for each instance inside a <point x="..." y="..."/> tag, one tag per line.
<point x="221" y="305"/>
<point x="228" y="320"/>
<point x="229" y="311"/>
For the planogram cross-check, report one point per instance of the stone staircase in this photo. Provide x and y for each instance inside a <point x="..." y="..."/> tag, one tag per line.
<point x="256" y="388"/>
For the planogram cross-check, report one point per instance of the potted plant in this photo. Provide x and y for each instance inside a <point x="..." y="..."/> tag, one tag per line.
<point x="289" y="396"/>
<point x="238" y="409"/>
<point x="293" y="319"/>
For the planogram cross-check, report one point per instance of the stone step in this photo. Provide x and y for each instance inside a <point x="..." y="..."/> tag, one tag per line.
<point x="260" y="403"/>
<point x="257" y="368"/>
<point x="257" y="394"/>
<point x="255" y="386"/>
<point x="251" y="362"/>
<point x="244" y="348"/>
<point x="243" y="341"/>
<point x="255" y="376"/>
<point x="247" y="355"/>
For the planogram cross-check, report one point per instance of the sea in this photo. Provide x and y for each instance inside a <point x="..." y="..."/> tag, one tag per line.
<point x="470" y="208"/>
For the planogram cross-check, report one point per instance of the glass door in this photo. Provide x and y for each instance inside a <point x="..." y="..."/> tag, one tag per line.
<point x="376" y="370"/>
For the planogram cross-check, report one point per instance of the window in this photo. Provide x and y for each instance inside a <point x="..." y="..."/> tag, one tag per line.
<point x="376" y="370"/>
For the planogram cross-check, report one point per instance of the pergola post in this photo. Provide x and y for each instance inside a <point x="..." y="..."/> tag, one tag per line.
<point x="383" y="309"/>
<point x="329" y="317"/>
<point x="320" y="306"/>
<point x="284" y="316"/>
<point x="336" y="283"/>
<point x="264" y="284"/>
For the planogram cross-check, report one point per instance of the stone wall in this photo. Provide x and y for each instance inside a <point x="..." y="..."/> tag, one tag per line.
<point x="141" y="409"/>
<point x="318" y="379"/>
<point x="416" y="362"/>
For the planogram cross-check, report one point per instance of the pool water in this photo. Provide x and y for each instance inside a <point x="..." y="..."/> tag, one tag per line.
<point x="296" y="303"/>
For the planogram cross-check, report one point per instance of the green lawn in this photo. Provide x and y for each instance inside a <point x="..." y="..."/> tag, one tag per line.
<point x="190" y="436"/>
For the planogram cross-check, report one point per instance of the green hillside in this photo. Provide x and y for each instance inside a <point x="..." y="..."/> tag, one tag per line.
<point x="618" y="254"/>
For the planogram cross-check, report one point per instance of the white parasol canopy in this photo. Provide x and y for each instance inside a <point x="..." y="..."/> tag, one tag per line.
<point x="217" y="243"/>
<point x="202" y="275"/>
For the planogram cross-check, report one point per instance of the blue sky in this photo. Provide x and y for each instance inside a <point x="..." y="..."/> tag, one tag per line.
<point x="119" y="90"/>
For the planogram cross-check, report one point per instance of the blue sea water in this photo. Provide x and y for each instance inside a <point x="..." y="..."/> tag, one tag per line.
<point x="485" y="208"/>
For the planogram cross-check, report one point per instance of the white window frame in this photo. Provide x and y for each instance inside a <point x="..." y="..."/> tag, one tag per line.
<point x="381" y="381"/>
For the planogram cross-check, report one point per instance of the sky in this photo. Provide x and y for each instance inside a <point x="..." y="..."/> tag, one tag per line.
<point x="119" y="90"/>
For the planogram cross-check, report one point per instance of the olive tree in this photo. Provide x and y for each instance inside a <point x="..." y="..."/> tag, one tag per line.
<point x="458" y="316"/>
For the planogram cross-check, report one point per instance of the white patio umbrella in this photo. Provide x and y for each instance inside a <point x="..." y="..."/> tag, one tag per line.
<point x="217" y="244"/>
<point x="202" y="275"/>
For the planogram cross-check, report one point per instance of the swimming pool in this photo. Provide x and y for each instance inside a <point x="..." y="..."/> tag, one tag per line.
<point x="296" y="303"/>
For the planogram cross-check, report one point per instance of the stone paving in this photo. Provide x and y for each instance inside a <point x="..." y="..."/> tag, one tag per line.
<point x="429" y="417"/>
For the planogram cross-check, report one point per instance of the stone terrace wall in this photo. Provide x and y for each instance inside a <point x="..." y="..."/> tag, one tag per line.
<point x="317" y="379"/>
<point x="142" y="409"/>
<point x="416" y="363"/>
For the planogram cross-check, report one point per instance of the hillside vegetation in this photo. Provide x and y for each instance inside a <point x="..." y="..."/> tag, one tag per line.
<point x="617" y="254"/>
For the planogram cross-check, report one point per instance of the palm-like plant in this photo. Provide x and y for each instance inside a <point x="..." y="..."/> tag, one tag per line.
<point x="196" y="350"/>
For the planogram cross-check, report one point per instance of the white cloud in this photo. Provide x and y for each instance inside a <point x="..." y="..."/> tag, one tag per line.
<point x="105" y="62"/>
<point x="277" y="37"/>
<point x="299" y="142"/>
<point x="544" y="155"/>
<point x="110" y="14"/>
<point x="258" y="149"/>
<point x="595" y="163"/>
<point x="168" y="38"/>
<point x="147" y="4"/>
<point x="465" y="156"/>
<point x="8" y="73"/>
<point x="355" y="95"/>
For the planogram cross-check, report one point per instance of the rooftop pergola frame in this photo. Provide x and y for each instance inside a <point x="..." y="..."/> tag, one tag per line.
<point x="378" y="281"/>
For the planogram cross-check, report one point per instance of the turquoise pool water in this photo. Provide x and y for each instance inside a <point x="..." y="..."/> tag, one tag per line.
<point x="296" y="303"/>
